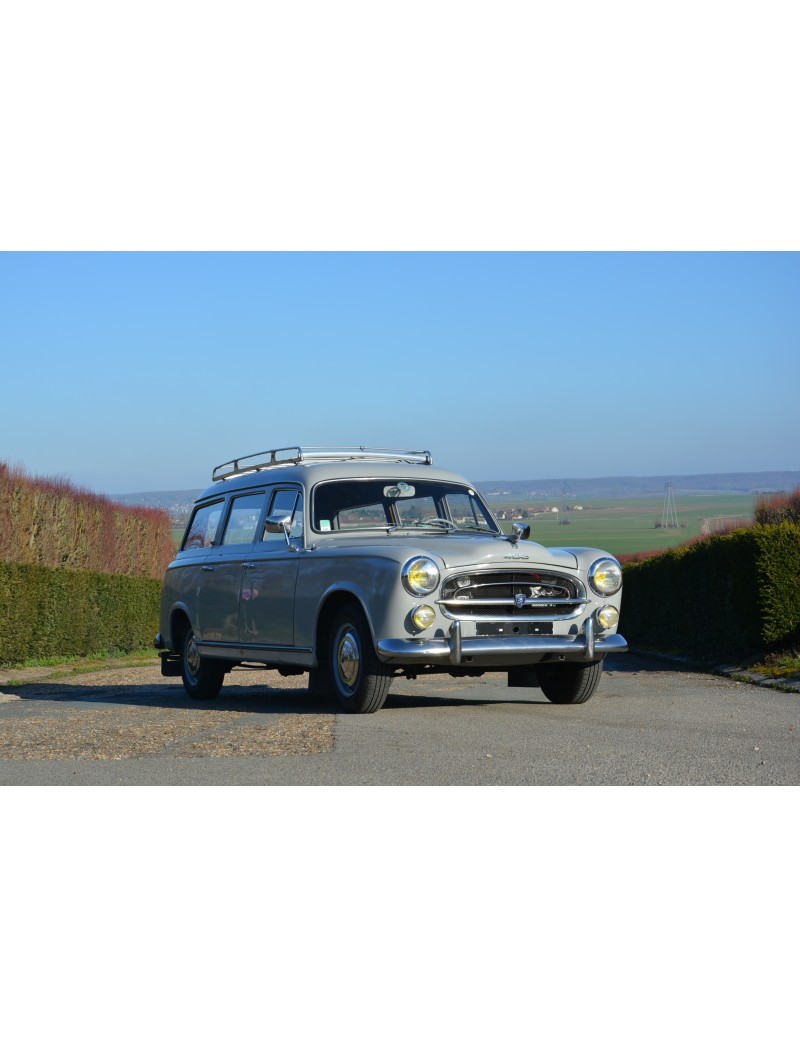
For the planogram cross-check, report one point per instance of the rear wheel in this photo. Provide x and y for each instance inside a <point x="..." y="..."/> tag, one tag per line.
<point x="202" y="678"/>
<point x="318" y="682"/>
<point x="569" y="684"/>
<point x="358" y="679"/>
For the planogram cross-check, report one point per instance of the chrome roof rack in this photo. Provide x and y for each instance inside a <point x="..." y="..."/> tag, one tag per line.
<point x="285" y="455"/>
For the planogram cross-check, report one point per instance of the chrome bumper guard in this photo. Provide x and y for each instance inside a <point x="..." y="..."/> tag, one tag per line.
<point x="456" y="648"/>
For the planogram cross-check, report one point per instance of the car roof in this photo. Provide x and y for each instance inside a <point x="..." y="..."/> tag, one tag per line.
<point x="309" y="473"/>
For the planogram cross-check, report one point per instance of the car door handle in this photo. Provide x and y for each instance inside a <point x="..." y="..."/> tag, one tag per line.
<point x="248" y="565"/>
<point x="207" y="568"/>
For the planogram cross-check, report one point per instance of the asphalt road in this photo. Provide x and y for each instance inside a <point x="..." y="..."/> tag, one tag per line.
<point x="646" y="725"/>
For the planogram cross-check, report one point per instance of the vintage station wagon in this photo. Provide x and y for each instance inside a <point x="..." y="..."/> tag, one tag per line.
<point x="358" y="566"/>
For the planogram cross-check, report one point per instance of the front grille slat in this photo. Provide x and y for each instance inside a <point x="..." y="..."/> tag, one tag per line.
<point x="493" y="594"/>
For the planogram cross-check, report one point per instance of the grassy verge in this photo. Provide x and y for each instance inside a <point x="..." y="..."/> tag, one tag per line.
<point x="776" y="665"/>
<point x="72" y="665"/>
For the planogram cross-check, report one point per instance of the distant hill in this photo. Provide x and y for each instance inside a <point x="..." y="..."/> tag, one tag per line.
<point x="179" y="502"/>
<point x="646" y="485"/>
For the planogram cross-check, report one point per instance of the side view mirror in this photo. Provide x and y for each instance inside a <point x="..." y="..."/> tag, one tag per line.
<point x="282" y="524"/>
<point x="274" y="524"/>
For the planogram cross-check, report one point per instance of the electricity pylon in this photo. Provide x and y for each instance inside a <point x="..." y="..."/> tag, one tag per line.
<point x="669" y="513"/>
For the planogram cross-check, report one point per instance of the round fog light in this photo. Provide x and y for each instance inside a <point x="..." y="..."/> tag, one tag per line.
<point x="607" y="617"/>
<point x="422" y="617"/>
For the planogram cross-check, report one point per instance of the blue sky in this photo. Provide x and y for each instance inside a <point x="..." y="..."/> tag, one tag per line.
<point x="128" y="372"/>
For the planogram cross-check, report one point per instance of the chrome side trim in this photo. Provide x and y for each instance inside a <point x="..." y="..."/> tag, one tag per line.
<point x="219" y="648"/>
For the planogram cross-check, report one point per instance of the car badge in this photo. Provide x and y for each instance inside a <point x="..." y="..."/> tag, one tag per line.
<point x="519" y="600"/>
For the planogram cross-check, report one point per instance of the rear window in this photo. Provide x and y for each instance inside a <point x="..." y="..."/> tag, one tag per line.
<point x="203" y="526"/>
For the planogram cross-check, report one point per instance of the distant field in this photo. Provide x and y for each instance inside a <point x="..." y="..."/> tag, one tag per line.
<point x="622" y="526"/>
<point x="616" y="525"/>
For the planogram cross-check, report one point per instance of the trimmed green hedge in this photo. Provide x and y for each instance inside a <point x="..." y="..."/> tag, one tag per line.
<point x="51" y="612"/>
<point x="722" y="598"/>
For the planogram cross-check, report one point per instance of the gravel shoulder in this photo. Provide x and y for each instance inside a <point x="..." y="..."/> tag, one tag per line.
<point x="122" y="712"/>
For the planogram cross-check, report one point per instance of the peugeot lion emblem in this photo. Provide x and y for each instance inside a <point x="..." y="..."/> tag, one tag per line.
<point x="519" y="600"/>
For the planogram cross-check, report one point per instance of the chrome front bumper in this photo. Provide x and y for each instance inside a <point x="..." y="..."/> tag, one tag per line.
<point x="456" y="650"/>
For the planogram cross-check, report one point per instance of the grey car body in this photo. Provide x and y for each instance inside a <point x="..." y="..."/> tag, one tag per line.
<point x="360" y="565"/>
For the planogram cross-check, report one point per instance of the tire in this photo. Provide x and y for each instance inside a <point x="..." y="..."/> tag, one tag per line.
<point x="202" y="678"/>
<point x="318" y="682"/>
<point x="356" y="676"/>
<point x="569" y="684"/>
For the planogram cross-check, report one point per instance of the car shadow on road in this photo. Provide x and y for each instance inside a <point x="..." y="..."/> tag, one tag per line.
<point x="261" y="699"/>
<point x="395" y="701"/>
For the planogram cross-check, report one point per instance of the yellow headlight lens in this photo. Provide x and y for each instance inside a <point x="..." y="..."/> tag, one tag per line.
<point x="422" y="617"/>
<point x="607" y="617"/>
<point x="605" y="576"/>
<point x="420" y="576"/>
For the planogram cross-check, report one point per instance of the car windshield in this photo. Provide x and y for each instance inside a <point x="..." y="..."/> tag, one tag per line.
<point x="369" y="504"/>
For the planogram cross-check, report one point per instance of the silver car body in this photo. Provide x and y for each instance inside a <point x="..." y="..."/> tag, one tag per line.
<point x="256" y="584"/>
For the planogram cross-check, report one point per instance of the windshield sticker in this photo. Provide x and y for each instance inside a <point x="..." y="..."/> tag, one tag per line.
<point x="325" y="525"/>
<point x="401" y="489"/>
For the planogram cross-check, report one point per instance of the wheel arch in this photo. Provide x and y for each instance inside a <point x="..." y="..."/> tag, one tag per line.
<point x="178" y="622"/>
<point x="337" y="599"/>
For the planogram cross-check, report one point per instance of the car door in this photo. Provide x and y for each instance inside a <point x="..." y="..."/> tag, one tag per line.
<point x="224" y="567"/>
<point x="192" y="566"/>
<point x="268" y="588"/>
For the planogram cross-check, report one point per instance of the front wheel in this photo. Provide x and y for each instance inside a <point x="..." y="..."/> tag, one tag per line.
<point x="202" y="678"/>
<point x="569" y="684"/>
<point x="358" y="679"/>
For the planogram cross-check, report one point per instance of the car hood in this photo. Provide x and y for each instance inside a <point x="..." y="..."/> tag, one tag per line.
<point x="454" y="550"/>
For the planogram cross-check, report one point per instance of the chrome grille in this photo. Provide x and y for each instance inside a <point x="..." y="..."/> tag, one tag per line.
<point x="499" y="594"/>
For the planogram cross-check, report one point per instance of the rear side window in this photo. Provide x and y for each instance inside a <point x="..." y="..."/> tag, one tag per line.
<point x="204" y="525"/>
<point x="243" y="519"/>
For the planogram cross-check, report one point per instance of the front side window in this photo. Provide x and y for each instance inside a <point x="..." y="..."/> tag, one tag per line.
<point x="285" y="502"/>
<point x="465" y="511"/>
<point x="203" y="526"/>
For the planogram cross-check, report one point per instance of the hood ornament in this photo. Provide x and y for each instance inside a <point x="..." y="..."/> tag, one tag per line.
<point x="520" y="531"/>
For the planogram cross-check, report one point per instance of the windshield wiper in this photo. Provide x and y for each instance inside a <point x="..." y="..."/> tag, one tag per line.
<point x="436" y="524"/>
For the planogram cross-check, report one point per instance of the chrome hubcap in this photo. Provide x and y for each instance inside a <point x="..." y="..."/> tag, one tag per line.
<point x="348" y="659"/>
<point x="192" y="658"/>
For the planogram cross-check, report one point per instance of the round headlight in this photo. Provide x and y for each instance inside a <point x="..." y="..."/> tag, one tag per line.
<point x="605" y="576"/>
<point x="420" y="576"/>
